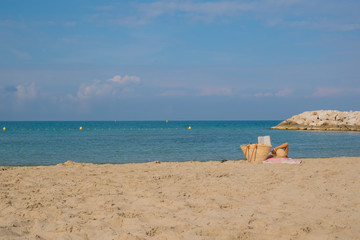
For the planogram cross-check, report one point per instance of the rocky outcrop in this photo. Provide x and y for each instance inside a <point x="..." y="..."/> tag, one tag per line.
<point x="323" y="120"/>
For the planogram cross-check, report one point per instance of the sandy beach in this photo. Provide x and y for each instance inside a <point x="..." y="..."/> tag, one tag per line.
<point x="318" y="199"/>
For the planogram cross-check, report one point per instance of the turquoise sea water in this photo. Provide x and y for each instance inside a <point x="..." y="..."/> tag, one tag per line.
<point x="48" y="143"/>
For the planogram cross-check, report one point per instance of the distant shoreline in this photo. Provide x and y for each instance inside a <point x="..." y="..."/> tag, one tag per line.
<point x="322" y="120"/>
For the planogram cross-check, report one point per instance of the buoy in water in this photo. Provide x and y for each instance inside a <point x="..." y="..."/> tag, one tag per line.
<point x="167" y="121"/>
<point x="189" y="127"/>
<point x="80" y="128"/>
<point x="4" y="128"/>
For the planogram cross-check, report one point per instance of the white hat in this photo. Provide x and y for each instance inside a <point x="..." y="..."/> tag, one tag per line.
<point x="280" y="153"/>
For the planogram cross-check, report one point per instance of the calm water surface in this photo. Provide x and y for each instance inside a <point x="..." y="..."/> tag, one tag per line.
<point x="47" y="143"/>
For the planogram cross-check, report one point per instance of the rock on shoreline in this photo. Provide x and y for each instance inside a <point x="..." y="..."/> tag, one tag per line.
<point x="323" y="120"/>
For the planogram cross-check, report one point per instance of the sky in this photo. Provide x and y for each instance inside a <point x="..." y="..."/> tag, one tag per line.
<point x="177" y="60"/>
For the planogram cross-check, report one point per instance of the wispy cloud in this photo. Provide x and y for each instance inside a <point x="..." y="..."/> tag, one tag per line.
<point x="122" y="80"/>
<point x="282" y="93"/>
<point x="315" y="24"/>
<point x="146" y="13"/>
<point x="333" y="92"/>
<point x="156" y="9"/>
<point x="196" y="91"/>
<point x="21" y="55"/>
<point x="25" y="92"/>
<point x="70" y="24"/>
<point x="105" y="8"/>
<point x="285" y="93"/>
<point x="215" y="91"/>
<point x="10" y="23"/>
<point x="343" y="27"/>
<point x="20" y="92"/>
<point x="325" y="92"/>
<point x="113" y="87"/>
<point x="273" y="12"/>
<point x="266" y="94"/>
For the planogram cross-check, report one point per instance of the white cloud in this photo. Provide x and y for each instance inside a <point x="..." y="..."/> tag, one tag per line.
<point x="122" y="80"/>
<point x="70" y="24"/>
<point x="95" y="89"/>
<point x="284" y="93"/>
<point x="324" y="92"/>
<point x="25" y="92"/>
<point x="113" y="87"/>
<point x="267" y="94"/>
<point x="19" y="93"/>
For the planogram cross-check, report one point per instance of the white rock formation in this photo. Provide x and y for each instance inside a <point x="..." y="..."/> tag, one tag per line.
<point x="323" y="120"/>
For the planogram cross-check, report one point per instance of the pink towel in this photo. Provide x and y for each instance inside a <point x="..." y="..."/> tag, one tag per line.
<point x="282" y="160"/>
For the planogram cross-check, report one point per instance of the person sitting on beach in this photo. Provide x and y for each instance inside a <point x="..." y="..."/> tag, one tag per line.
<point x="280" y="151"/>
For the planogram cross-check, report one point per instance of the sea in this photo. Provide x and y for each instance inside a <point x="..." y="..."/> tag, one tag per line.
<point x="118" y="142"/>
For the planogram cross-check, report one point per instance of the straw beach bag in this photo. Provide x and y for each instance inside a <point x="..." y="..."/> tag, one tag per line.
<point x="256" y="152"/>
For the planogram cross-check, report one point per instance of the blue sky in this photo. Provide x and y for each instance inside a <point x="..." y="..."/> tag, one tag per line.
<point x="177" y="60"/>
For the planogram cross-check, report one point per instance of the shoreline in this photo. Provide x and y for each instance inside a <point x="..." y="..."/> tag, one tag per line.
<point x="307" y="129"/>
<point x="110" y="163"/>
<point x="318" y="198"/>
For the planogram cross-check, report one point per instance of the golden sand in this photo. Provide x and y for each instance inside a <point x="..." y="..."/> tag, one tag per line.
<point x="318" y="199"/>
